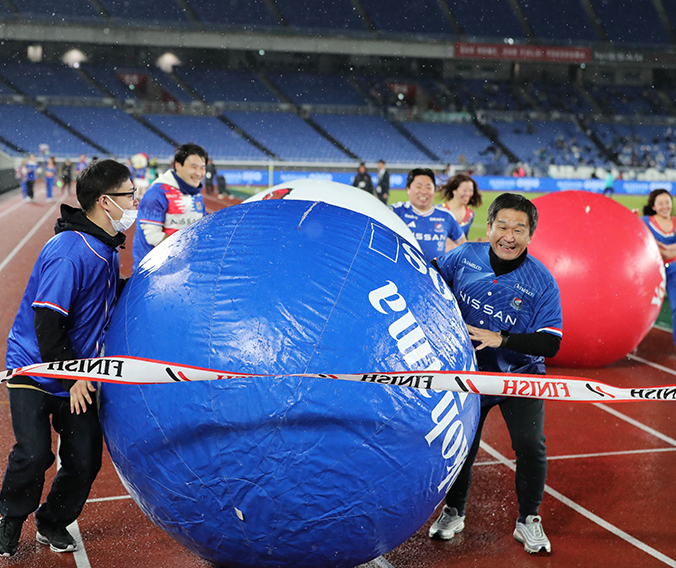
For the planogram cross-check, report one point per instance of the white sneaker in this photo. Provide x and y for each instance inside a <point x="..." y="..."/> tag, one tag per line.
<point x="448" y="523"/>
<point x="532" y="535"/>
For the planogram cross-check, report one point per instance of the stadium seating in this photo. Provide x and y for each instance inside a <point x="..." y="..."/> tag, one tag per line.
<point x="27" y="128"/>
<point x="559" y="20"/>
<point x="631" y="22"/>
<point x="252" y="13"/>
<point x="453" y="143"/>
<point x="217" y="138"/>
<point x="167" y="12"/>
<point x="218" y="85"/>
<point x="541" y="143"/>
<point x="288" y="136"/>
<point x="371" y="138"/>
<point x="57" y="9"/>
<point x="48" y="80"/>
<point x="488" y="18"/>
<point x="420" y="17"/>
<point x="321" y="14"/>
<point x="317" y="89"/>
<point x="113" y="129"/>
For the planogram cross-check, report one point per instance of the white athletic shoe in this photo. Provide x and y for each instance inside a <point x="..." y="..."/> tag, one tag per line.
<point x="532" y="535"/>
<point x="448" y="523"/>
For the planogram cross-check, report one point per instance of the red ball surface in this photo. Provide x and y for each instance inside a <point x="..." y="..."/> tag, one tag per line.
<point x="609" y="271"/>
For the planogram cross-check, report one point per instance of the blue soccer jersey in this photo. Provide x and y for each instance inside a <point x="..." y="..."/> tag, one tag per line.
<point x="526" y="300"/>
<point x="431" y="229"/>
<point x="69" y="276"/>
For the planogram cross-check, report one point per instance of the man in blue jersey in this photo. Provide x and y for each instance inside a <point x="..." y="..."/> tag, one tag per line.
<point x="435" y="228"/>
<point x="63" y="314"/>
<point x="173" y="201"/>
<point x="512" y="308"/>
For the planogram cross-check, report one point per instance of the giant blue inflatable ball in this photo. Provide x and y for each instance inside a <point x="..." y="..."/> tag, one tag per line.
<point x="293" y="472"/>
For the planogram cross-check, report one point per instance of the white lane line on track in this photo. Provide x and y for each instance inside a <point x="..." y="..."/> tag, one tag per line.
<point x="80" y="555"/>
<point x="12" y="208"/>
<point x="594" y="455"/>
<point x="636" y="423"/>
<point x="36" y="227"/>
<point x="651" y="364"/>
<point x="104" y="499"/>
<point x="588" y="514"/>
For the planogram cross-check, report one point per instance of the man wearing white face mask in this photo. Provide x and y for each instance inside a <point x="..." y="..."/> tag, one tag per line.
<point x="63" y="314"/>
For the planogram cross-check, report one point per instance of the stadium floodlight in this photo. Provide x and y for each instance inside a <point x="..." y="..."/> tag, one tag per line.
<point x="73" y="58"/>
<point x="167" y="62"/>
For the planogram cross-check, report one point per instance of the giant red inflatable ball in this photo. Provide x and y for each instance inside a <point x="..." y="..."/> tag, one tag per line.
<point x="609" y="270"/>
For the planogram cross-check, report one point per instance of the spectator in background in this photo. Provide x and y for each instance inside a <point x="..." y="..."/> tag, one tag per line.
<point x="383" y="187"/>
<point x="435" y="228"/>
<point x="657" y="215"/>
<point x="50" y="177"/>
<point x="363" y="180"/>
<point x="210" y="178"/>
<point x="81" y="165"/>
<point x="462" y="193"/>
<point x="174" y="201"/>
<point x="20" y="174"/>
<point x="31" y="175"/>
<point x="609" y="188"/>
<point x="222" y="187"/>
<point x="66" y="177"/>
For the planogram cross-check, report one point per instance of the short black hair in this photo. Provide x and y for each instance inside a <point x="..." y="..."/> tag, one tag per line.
<point x="414" y="173"/>
<point x="190" y="149"/>
<point x="516" y="202"/>
<point x="98" y="178"/>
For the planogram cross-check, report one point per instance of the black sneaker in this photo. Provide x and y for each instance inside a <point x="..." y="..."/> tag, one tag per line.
<point x="58" y="539"/>
<point x="10" y="531"/>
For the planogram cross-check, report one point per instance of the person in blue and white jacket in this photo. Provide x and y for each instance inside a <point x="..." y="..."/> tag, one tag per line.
<point x="63" y="315"/>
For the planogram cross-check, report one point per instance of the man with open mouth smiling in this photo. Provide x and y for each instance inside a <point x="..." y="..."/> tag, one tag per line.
<point x="512" y="308"/>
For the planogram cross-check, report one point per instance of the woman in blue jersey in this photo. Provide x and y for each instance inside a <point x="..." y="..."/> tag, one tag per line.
<point x="50" y="177"/>
<point x="658" y="217"/>
<point x="462" y="193"/>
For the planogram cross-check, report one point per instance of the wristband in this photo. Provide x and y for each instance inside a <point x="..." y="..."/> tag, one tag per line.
<point x="505" y="336"/>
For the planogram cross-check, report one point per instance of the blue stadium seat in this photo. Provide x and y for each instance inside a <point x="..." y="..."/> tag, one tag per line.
<point x="419" y="17"/>
<point x="106" y="76"/>
<point x="27" y="128"/>
<point x="542" y="143"/>
<point x="288" y="136"/>
<point x="57" y="9"/>
<point x="640" y="145"/>
<point x="450" y="141"/>
<point x="321" y="14"/>
<point x="114" y="130"/>
<point x="317" y="89"/>
<point x="488" y="18"/>
<point x="631" y="22"/>
<point x="371" y="138"/>
<point x="218" y="85"/>
<point x="167" y="12"/>
<point x="220" y="141"/>
<point x="45" y="79"/>
<point x="250" y="13"/>
<point x="561" y="20"/>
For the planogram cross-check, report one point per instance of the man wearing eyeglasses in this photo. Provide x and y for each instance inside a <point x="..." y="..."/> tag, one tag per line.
<point x="63" y="314"/>
<point x="173" y="202"/>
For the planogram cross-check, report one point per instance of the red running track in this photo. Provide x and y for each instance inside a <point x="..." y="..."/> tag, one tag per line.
<point x="610" y="494"/>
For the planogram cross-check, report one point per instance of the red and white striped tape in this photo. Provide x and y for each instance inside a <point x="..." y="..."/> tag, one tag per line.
<point x="134" y="370"/>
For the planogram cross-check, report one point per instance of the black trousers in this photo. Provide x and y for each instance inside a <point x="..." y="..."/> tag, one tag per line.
<point x="80" y="453"/>
<point x="29" y="187"/>
<point x="525" y="418"/>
